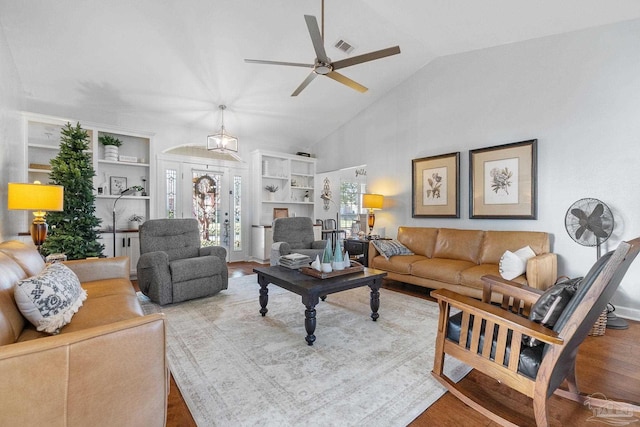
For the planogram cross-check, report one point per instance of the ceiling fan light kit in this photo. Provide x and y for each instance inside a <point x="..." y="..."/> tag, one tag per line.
<point x="221" y="140"/>
<point x="323" y="65"/>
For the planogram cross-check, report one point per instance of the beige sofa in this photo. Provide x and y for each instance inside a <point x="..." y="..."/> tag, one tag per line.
<point x="107" y="367"/>
<point x="457" y="259"/>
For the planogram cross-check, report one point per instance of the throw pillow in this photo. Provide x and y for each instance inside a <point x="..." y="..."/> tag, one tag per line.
<point x="513" y="264"/>
<point x="389" y="248"/>
<point x="51" y="298"/>
<point x="548" y="308"/>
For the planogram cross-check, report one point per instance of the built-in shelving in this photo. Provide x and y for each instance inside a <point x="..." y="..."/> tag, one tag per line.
<point x="42" y="143"/>
<point x="295" y="178"/>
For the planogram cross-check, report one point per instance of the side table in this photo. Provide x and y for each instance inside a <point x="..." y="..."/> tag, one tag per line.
<point x="359" y="249"/>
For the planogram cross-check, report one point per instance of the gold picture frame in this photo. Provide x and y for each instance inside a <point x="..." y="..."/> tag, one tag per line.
<point x="436" y="186"/>
<point x="503" y="181"/>
<point x="280" y="213"/>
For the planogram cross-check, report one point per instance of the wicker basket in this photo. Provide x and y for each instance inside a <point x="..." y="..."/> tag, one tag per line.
<point x="600" y="326"/>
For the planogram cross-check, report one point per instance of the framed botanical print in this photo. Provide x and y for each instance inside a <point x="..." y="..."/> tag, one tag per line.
<point x="436" y="186"/>
<point x="280" y="213"/>
<point x="503" y="181"/>
<point x="117" y="185"/>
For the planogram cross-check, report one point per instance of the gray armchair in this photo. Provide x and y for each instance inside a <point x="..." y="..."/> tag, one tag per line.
<point x="295" y="235"/>
<point x="172" y="265"/>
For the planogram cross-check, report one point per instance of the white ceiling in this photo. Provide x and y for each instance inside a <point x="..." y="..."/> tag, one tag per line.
<point x="176" y="61"/>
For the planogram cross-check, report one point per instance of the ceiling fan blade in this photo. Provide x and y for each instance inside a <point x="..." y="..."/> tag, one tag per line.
<point x="316" y="38"/>
<point x="346" y="81"/>
<point x="366" y="57"/>
<point x="304" y="84"/>
<point x="290" y="64"/>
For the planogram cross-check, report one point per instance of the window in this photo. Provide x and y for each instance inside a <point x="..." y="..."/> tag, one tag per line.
<point x="171" y="179"/>
<point x="350" y="203"/>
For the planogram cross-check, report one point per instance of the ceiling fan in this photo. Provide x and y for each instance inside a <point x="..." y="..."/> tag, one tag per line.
<point x="323" y="65"/>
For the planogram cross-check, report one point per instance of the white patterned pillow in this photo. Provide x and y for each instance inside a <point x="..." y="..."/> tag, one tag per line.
<point x="389" y="248"/>
<point x="513" y="264"/>
<point x="51" y="298"/>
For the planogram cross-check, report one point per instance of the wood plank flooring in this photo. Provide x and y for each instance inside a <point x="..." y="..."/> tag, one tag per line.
<point x="607" y="364"/>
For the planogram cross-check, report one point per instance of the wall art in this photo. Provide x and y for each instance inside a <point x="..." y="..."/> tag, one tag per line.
<point x="502" y="181"/>
<point x="117" y="185"/>
<point x="436" y="186"/>
<point x="280" y="213"/>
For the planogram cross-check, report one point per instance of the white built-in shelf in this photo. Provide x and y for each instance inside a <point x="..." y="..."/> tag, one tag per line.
<point x="34" y="170"/>
<point x="109" y="196"/>
<point x="111" y="162"/>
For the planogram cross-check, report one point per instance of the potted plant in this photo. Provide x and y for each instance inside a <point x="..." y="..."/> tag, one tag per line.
<point x="135" y="220"/>
<point x="111" y="144"/>
<point x="306" y="197"/>
<point x="139" y="190"/>
<point x="271" y="189"/>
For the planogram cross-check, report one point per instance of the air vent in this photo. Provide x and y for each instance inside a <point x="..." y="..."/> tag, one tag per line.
<point x="344" y="46"/>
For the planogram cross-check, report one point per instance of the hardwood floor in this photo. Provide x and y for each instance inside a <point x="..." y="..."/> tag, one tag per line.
<point x="607" y="364"/>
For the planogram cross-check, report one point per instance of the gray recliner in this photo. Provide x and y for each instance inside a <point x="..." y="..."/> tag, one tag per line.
<point x="295" y="235"/>
<point x="172" y="265"/>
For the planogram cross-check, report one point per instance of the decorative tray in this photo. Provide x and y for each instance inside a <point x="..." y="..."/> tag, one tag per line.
<point x="355" y="268"/>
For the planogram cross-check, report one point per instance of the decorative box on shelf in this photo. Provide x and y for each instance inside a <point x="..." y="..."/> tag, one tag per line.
<point x="128" y="159"/>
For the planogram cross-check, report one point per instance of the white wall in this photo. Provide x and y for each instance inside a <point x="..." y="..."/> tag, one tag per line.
<point x="577" y="93"/>
<point x="11" y="101"/>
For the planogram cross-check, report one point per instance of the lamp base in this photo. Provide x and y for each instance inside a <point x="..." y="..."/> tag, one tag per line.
<point x="371" y="221"/>
<point x="38" y="233"/>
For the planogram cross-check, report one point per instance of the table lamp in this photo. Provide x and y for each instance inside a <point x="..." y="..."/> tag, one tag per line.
<point x="38" y="198"/>
<point x="372" y="202"/>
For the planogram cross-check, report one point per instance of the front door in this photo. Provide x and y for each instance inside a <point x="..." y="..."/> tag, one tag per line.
<point x="212" y="195"/>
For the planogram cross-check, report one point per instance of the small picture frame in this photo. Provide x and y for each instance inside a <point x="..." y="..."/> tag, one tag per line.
<point x="117" y="184"/>
<point x="280" y="213"/>
<point x="503" y="181"/>
<point x="436" y="186"/>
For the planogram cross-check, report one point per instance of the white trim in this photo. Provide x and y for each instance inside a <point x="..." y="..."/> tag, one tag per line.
<point x="628" y="313"/>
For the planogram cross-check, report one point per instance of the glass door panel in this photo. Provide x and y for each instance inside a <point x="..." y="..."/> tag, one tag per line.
<point x="216" y="202"/>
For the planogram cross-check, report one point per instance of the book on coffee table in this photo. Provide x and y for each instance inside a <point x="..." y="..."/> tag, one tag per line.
<point x="294" y="261"/>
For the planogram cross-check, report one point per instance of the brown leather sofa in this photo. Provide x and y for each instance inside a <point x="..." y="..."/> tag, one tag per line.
<point x="105" y="368"/>
<point x="457" y="259"/>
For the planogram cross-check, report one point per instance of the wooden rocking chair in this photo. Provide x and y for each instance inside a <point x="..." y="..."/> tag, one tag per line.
<point x="535" y="371"/>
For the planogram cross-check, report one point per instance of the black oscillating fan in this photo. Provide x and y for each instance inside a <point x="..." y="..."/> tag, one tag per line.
<point x="589" y="222"/>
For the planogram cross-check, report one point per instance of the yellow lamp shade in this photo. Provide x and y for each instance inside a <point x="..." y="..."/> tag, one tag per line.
<point x="372" y="201"/>
<point x="35" y="197"/>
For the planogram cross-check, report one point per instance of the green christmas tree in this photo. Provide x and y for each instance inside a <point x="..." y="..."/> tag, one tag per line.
<point x="74" y="231"/>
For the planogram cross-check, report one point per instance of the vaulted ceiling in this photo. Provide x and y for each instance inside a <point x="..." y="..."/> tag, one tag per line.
<point x="176" y="61"/>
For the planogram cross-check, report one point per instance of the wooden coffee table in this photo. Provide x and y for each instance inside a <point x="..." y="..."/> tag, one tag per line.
<point x="313" y="289"/>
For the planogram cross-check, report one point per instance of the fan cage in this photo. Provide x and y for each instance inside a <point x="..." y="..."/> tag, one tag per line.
<point x="587" y="237"/>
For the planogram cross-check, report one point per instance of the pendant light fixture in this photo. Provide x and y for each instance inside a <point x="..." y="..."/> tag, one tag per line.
<point x="221" y="140"/>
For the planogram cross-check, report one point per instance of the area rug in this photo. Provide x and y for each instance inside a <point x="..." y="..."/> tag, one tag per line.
<point x="235" y="367"/>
